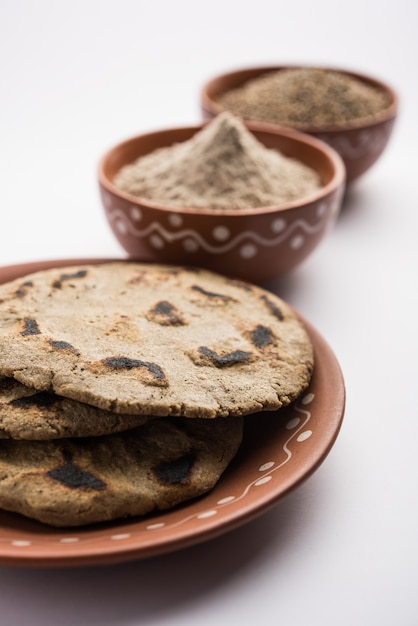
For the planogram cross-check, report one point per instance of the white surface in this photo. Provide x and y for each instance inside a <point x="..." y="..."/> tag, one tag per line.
<point x="77" y="77"/>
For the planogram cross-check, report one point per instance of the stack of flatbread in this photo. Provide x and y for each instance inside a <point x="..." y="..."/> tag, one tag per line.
<point x="124" y="386"/>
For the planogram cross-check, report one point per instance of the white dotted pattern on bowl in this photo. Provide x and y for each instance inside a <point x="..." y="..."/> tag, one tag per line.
<point x="295" y="233"/>
<point x="366" y="141"/>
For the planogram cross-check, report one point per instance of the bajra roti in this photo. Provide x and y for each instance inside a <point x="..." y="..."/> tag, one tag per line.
<point x="73" y="482"/>
<point x="151" y="339"/>
<point x="29" y="414"/>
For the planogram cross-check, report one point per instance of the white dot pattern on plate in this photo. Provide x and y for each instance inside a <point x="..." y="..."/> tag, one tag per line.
<point x="120" y="536"/>
<point x="207" y="514"/>
<point x="262" y="481"/>
<point x="155" y="526"/>
<point x="226" y="500"/>
<point x="293" y="423"/>
<point x="266" y="466"/>
<point x="307" y="399"/>
<point x="303" y="436"/>
<point x="297" y="432"/>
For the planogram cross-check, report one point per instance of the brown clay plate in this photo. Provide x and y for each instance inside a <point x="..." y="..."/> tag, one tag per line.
<point x="280" y="450"/>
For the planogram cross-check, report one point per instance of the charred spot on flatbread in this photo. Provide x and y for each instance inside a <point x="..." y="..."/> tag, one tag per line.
<point x="30" y="327"/>
<point x="166" y="314"/>
<point x="42" y="400"/>
<point x="273" y="307"/>
<point x="74" y="477"/>
<point x="22" y="291"/>
<point x="65" y="276"/>
<point x="151" y="372"/>
<point x="207" y="356"/>
<point x="176" y="472"/>
<point x="261" y="336"/>
<point x="212" y="295"/>
<point x="63" y="345"/>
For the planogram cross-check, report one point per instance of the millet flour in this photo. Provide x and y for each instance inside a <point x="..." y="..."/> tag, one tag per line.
<point x="223" y="166"/>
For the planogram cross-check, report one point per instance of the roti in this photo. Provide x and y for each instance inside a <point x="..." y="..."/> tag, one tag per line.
<point x="29" y="414"/>
<point x="137" y="338"/>
<point x="74" y="482"/>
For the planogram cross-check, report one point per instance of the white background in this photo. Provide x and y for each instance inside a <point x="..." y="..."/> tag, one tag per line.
<point x="77" y="77"/>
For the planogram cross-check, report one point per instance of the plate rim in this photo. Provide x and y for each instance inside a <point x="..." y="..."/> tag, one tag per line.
<point x="122" y="550"/>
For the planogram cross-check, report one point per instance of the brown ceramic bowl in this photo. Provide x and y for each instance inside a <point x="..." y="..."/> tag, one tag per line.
<point x="359" y="144"/>
<point x="252" y="244"/>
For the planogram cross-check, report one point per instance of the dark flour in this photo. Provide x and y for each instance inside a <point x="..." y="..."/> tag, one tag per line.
<point x="301" y="97"/>
<point x="223" y="166"/>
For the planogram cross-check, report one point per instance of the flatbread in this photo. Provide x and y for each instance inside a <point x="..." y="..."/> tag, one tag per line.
<point x="151" y="339"/>
<point x="29" y="414"/>
<point x="73" y="482"/>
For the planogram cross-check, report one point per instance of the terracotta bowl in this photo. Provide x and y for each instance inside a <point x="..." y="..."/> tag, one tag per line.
<point x="359" y="144"/>
<point x="251" y="244"/>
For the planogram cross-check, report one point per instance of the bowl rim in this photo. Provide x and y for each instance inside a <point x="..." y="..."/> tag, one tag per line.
<point x="211" y="107"/>
<point x="337" y="181"/>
